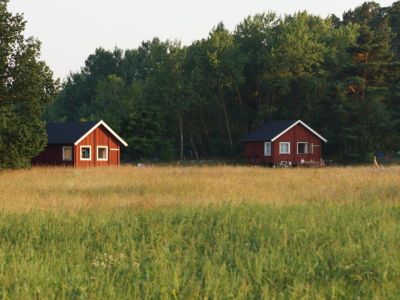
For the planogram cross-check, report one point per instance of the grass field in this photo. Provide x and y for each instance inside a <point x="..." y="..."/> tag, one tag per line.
<point x="200" y="232"/>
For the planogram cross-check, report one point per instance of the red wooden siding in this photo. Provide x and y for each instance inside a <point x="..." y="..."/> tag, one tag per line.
<point x="52" y="155"/>
<point x="254" y="151"/>
<point x="98" y="137"/>
<point x="297" y="134"/>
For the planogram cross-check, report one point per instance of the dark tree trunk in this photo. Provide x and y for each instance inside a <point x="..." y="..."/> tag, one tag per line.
<point x="181" y="136"/>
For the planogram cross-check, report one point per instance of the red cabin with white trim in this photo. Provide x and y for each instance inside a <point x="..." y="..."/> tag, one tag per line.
<point x="288" y="142"/>
<point x="81" y="144"/>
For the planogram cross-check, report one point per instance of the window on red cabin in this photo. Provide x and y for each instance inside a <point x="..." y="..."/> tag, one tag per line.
<point x="284" y="148"/>
<point x="67" y="153"/>
<point x="267" y="149"/>
<point x="85" y="152"/>
<point x="102" y="153"/>
<point x="302" y="148"/>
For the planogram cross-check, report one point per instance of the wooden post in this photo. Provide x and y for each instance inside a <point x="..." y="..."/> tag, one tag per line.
<point x="376" y="165"/>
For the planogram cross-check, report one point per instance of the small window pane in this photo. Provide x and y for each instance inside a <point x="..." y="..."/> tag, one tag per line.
<point x="67" y="153"/>
<point x="284" y="148"/>
<point x="85" y="152"/>
<point x="267" y="148"/>
<point x="102" y="153"/>
<point x="302" y="148"/>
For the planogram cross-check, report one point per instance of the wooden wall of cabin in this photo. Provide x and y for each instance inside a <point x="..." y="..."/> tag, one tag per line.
<point x="99" y="137"/>
<point x="52" y="155"/>
<point x="297" y="134"/>
<point x="254" y="153"/>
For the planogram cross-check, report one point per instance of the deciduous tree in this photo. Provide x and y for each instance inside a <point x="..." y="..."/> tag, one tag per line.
<point x="26" y="88"/>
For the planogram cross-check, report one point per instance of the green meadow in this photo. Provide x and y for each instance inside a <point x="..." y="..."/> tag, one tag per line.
<point x="232" y="249"/>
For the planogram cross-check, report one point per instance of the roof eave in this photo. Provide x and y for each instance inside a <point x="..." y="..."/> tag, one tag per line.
<point x="257" y="140"/>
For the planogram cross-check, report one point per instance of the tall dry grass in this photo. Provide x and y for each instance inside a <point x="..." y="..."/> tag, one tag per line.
<point x="67" y="189"/>
<point x="87" y="233"/>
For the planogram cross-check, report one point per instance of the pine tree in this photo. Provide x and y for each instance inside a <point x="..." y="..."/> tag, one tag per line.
<point x="366" y="118"/>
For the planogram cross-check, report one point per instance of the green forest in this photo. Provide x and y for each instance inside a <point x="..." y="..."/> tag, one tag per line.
<point x="340" y="75"/>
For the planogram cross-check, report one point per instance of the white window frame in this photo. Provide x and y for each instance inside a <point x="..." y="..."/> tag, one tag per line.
<point x="90" y="152"/>
<point x="306" y="148"/>
<point x="97" y="153"/>
<point x="63" y="156"/>
<point x="280" y="143"/>
<point x="266" y="153"/>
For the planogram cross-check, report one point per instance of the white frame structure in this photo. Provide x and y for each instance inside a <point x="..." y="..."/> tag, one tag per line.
<point x="267" y="153"/>
<point x="107" y="127"/>
<point x="294" y="124"/>
<point x="90" y="153"/>
<point x="63" y="155"/>
<point x="97" y="153"/>
<point x="280" y="149"/>
<point x="306" y="147"/>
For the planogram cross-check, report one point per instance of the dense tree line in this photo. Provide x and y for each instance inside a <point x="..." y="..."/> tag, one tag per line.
<point x="26" y="89"/>
<point x="340" y="75"/>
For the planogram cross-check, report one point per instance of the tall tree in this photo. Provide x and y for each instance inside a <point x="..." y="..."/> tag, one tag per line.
<point x="225" y="65"/>
<point x="254" y="38"/>
<point x="365" y="80"/>
<point x="393" y="97"/>
<point x="26" y="88"/>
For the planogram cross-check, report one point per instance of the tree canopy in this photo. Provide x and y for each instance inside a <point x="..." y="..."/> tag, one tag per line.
<point x="26" y="89"/>
<point x="340" y="75"/>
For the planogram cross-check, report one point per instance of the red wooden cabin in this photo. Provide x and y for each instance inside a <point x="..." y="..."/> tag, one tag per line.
<point x="81" y="144"/>
<point x="287" y="142"/>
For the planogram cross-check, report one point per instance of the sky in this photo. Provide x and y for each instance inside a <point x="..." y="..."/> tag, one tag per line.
<point x="71" y="30"/>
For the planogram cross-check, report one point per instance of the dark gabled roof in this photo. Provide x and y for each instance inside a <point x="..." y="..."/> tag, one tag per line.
<point x="67" y="133"/>
<point x="267" y="131"/>
<point x="271" y="130"/>
<point x="75" y="132"/>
